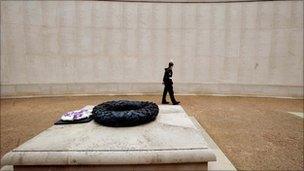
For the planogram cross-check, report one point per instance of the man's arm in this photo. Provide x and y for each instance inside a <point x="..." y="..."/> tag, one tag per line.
<point x="166" y="77"/>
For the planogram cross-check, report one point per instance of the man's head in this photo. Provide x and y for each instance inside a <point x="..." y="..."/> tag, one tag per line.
<point x="171" y="64"/>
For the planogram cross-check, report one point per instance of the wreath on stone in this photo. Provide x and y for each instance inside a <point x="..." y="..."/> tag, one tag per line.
<point x="123" y="113"/>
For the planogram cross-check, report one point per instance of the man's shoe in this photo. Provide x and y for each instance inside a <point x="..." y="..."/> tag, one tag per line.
<point x="165" y="102"/>
<point x="176" y="103"/>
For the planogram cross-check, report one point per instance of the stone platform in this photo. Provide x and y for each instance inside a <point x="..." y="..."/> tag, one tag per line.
<point x="172" y="142"/>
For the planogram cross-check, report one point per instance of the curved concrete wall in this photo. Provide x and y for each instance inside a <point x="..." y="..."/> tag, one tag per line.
<point x="122" y="47"/>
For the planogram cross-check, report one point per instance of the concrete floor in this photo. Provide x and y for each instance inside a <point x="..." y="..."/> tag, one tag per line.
<point x="254" y="133"/>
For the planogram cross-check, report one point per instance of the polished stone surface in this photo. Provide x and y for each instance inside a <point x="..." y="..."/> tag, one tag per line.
<point x="222" y="162"/>
<point x="171" y="109"/>
<point x="171" y="138"/>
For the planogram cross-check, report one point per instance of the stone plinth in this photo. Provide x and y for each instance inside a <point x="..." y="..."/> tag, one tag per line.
<point x="170" y="142"/>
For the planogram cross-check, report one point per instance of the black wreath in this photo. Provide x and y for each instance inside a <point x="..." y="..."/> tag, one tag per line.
<point x="124" y="113"/>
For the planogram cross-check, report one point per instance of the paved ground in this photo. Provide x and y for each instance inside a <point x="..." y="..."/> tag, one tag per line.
<point x="254" y="133"/>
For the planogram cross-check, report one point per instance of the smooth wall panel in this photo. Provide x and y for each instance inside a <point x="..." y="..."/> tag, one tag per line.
<point x="60" y="47"/>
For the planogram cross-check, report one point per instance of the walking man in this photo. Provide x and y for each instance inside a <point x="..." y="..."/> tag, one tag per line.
<point x="168" y="83"/>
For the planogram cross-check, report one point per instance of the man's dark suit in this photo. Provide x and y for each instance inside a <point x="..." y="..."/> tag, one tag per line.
<point x="167" y="80"/>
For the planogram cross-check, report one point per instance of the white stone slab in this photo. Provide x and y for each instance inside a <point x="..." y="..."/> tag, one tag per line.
<point x="222" y="162"/>
<point x="7" y="168"/>
<point x="169" y="139"/>
<point x="178" y="120"/>
<point x="171" y="109"/>
<point x="299" y="114"/>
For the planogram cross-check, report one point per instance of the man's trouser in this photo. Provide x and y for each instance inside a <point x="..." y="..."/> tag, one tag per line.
<point x="168" y="88"/>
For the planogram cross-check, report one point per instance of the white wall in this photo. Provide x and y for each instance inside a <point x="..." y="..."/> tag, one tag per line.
<point x="122" y="47"/>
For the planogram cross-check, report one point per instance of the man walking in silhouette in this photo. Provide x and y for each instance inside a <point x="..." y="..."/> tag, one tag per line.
<point x="168" y="83"/>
